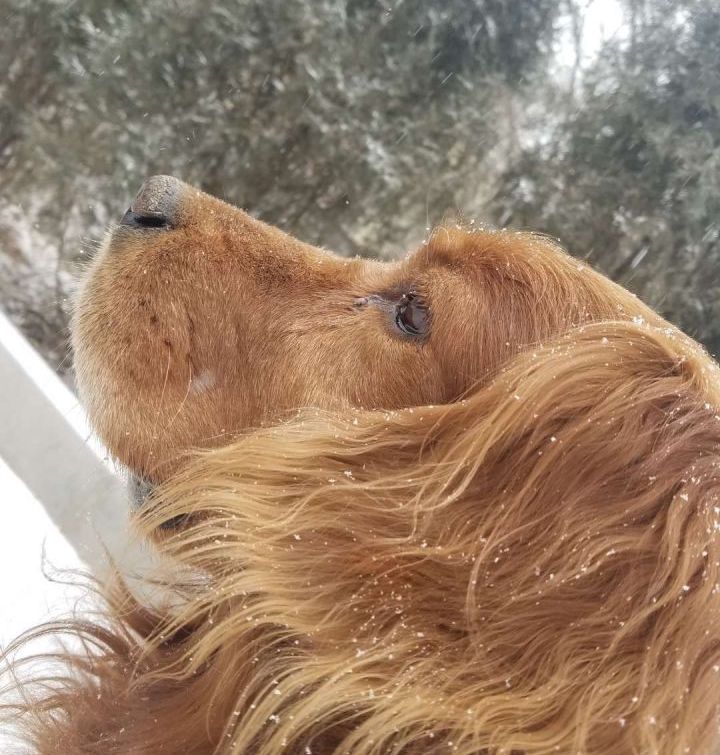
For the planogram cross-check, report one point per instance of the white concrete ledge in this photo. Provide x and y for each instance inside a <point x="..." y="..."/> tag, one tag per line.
<point x="46" y="442"/>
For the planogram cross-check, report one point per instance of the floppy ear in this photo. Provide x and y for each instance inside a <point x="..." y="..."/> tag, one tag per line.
<point x="591" y="472"/>
<point x="534" y="568"/>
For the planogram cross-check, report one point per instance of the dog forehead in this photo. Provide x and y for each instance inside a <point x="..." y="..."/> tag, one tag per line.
<point x="468" y="249"/>
<point x="457" y="265"/>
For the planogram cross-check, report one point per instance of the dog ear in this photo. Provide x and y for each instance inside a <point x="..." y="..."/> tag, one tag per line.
<point x="590" y="468"/>
<point x="537" y="564"/>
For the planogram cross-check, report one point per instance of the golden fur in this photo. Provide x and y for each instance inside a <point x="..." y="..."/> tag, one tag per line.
<point x="503" y="539"/>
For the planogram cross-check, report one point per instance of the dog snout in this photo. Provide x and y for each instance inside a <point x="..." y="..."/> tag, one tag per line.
<point x="156" y="204"/>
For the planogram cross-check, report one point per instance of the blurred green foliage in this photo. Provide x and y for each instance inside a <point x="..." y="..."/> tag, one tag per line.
<point x="356" y="125"/>
<point x="630" y="177"/>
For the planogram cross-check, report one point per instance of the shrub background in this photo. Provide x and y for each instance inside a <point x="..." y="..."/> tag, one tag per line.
<point x="357" y="125"/>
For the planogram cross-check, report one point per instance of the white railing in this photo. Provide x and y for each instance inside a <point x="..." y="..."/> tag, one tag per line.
<point x="46" y="442"/>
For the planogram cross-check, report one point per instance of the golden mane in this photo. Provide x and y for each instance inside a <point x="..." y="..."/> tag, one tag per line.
<point x="533" y="569"/>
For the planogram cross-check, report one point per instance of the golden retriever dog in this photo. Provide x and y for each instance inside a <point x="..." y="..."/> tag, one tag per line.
<point x="465" y="502"/>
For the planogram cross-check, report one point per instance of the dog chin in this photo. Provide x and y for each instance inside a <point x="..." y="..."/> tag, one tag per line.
<point x="140" y="490"/>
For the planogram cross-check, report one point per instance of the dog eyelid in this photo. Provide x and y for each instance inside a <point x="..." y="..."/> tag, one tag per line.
<point x="412" y="317"/>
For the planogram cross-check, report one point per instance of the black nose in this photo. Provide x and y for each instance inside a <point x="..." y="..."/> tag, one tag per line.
<point x="156" y="204"/>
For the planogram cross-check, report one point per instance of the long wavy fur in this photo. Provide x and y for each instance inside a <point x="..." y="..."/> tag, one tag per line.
<point x="533" y="569"/>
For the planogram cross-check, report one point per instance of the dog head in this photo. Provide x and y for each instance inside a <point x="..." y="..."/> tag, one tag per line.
<point x="197" y="322"/>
